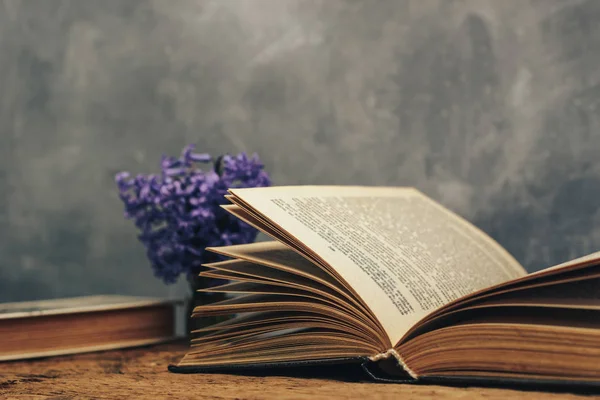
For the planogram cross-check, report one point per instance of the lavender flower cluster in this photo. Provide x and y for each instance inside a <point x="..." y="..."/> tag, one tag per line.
<point x="178" y="212"/>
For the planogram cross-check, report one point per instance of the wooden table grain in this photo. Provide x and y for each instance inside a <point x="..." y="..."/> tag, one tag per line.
<point x="142" y="373"/>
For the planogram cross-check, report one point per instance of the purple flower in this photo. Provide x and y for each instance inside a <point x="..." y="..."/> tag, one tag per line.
<point x="178" y="212"/>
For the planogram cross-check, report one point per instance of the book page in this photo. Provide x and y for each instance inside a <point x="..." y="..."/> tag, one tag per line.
<point x="583" y="293"/>
<point x="404" y="254"/>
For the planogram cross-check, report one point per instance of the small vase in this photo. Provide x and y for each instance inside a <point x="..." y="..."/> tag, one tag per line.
<point x="197" y="298"/>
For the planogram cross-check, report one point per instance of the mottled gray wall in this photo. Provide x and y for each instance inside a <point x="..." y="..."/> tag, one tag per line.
<point x="490" y="107"/>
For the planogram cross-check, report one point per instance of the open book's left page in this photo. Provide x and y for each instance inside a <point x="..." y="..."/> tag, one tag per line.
<point x="402" y="253"/>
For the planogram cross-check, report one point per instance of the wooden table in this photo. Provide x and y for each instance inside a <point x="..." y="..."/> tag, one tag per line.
<point x="142" y="373"/>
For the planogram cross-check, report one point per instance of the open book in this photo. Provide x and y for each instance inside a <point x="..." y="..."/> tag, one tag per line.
<point x="390" y="279"/>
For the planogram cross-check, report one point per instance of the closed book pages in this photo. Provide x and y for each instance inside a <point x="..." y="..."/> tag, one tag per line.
<point x="83" y="324"/>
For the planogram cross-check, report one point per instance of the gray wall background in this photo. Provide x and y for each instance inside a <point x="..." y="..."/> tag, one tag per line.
<point x="490" y="107"/>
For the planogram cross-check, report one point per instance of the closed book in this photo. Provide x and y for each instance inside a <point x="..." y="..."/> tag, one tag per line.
<point x="46" y="328"/>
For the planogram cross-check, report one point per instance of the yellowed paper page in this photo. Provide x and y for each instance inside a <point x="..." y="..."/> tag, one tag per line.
<point x="404" y="254"/>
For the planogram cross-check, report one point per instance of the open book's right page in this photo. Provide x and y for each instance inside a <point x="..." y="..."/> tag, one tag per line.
<point x="404" y="254"/>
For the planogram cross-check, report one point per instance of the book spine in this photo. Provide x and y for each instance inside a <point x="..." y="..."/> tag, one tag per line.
<point x="393" y="353"/>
